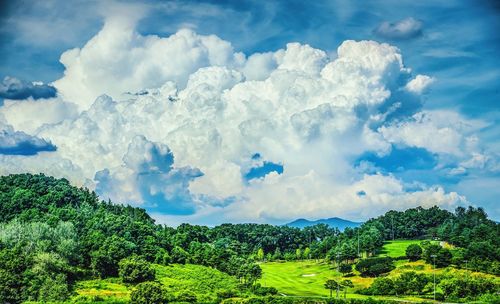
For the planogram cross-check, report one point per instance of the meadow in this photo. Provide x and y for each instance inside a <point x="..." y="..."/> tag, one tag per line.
<point x="200" y="281"/>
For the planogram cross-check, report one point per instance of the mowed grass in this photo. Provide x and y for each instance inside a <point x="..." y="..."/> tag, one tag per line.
<point x="304" y="278"/>
<point x="397" y="248"/>
<point x="307" y="278"/>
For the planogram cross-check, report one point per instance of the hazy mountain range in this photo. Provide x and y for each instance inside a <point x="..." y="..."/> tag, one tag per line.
<point x="341" y="224"/>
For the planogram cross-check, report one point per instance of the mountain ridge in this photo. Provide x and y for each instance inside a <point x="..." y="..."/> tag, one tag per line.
<point x="334" y="222"/>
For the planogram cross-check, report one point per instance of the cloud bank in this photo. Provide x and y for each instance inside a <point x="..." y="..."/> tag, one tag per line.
<point x="13" y="88"/>
<point x="19" y="143"/>
<point x="175" y="124"/>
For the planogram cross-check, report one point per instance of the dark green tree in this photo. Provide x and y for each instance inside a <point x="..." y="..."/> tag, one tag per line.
<point x="413" y="252"/>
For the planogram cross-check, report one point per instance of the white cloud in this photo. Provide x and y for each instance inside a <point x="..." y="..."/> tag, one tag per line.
<point x="119" y="60"/>
<point x="443" y="132"/>
<point x="182" y="140"/>
<point x="29" y="115"/>
<point x="419" y="84"/>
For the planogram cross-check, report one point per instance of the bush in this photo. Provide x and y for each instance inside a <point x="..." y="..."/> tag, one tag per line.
<point x="263" y="291"/>
<point x="381" y="286"/>
<point x="413" y="252"/>
<point x="226" y="294"/>
<point x="374" y="266"/>
<point x="135" y="270"/>
<point x="187" y="296"/>
<point x="148" y="293"/>
<point x="179" y="255"/>
<point x="345" y="268"/>
<point x="443" y="258"/>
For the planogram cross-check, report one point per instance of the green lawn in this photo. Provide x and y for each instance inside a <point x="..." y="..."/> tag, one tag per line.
<point x="302" y="278"/>
<point x="397" y="248"/>
<point x="306" y="279"/>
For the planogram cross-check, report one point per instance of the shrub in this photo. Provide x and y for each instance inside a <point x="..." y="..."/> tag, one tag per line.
<point x="179" y="255"/>
<point x="413" y="252"/>
<point x="135" y="270"/>
<point x="374" y="266"/>
<point x="148" y="293"/>
<point x="443" y="258"/>
<point x="345" y="268"/>
<point x="187" y="296"/>
<point x="381" y="286"/>
<point x="263" y="291"/>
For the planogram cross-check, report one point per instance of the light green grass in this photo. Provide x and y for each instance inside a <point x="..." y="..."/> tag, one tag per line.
<point x="204" y="282"/>
<point x="397" y="248"/>
<point x="301" y="278"/>
<point x="307" y="278"/>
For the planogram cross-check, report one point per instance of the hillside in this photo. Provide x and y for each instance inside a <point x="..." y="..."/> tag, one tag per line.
<point x="307" y="277"/>
<point x="202" y="282"/>
<point x="58" y="241"/>
<point x="334" y="222"/>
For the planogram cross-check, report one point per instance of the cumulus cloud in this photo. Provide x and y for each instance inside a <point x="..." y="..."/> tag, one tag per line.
<point x="403" y="29"/>
<point x="13" y="88"/>
<point x="442" y="132"/>
<point x="419" y="84"/>
<point x="307" y="115"/>
<point x="30" y="115"/>
<point x="19" y="143"/>
<point x="148" y="177"/>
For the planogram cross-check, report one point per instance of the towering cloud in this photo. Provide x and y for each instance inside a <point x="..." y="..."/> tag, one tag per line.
<point x="186" y="119"/>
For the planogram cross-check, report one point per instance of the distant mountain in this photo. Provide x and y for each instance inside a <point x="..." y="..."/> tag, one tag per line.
<point x="332" y="222"/>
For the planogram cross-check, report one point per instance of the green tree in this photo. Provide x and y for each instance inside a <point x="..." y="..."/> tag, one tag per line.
<point x="429" y="251"/>
<point x="374" y="266"/>
<point x="331" y="285"/>
<point x="443" y="258"/>
<point x="179" y="255"/>
<point x="346" y="284"/>
<point x="135" y="270"/>
<point x="298" y="254"/>
<point x="307" y="253"/>
<point x="148" y="293"/>
<point x="260" y="254"/>
<point x="345" y="268"/>
<point x="413" y="252"/>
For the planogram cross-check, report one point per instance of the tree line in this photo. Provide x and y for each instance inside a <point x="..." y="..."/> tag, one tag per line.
<point x="52" y="233"/>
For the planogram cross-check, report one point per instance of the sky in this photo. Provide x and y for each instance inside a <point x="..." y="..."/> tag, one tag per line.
<point x="256" y="111"/>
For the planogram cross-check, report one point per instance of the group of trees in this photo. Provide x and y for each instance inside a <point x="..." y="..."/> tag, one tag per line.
<point x="453" y="287"/>
<point x="52" y="233"/>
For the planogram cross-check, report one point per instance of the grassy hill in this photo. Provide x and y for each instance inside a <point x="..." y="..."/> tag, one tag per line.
<point x="204" y="282"/>
<point x="306" y="278"/>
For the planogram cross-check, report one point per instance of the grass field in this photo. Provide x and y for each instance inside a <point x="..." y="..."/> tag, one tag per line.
<point x="204" y="282"/>
<point x="306" y="278"/>
<point x="397" y="248"/>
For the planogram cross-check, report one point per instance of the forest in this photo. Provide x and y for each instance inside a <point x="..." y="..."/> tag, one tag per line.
<point x="53" y="235"/>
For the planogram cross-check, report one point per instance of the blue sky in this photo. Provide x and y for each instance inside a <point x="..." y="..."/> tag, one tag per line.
<point x="455" y="42"/>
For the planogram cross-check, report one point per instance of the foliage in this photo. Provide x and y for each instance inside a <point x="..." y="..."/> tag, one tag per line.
<point x="135" y="270"/>
<point x="375" y="266"/>
<point x="331" y="285"/>
<point x="413" y="252"/>
<point x="52" y="233"/>
<point x="455" y="288"/>
<point x="345" y="268"/>
<point x="148" y="293"/>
